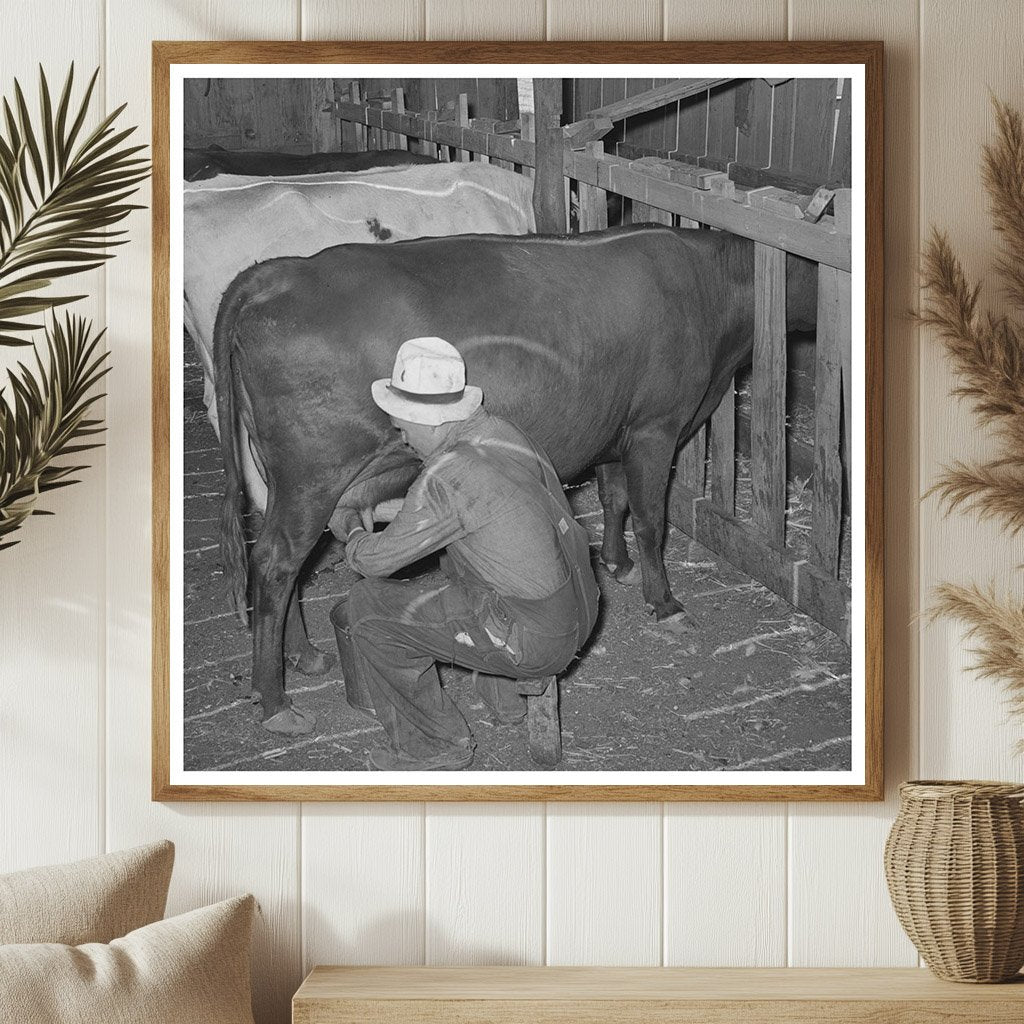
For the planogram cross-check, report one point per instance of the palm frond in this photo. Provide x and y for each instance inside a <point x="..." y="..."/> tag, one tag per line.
<point x="46" y="418"/>
<point x="62" y="190"/>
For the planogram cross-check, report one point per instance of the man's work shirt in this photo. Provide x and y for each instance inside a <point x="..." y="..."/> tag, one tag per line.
<point x="463" y="502"/>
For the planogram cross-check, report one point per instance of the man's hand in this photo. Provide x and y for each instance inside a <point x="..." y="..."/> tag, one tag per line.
<point x="344" y="521"/>
<point x="386" y="511"/>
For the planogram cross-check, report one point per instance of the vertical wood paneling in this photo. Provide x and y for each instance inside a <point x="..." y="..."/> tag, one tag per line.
<point x="485" y="884"/>
<point x="383" y="19"/>
<point x="222" y="848"/>
<point x="51" y="583"/>
<point x="725" y="19"/>
<point x="484" y="19"/>
<point x="605" y="897"/>
<point x="362" y="884"/>
<point x="832" y="338"/>
<point x="836" y="851"/>
<point x="725" y="885"/>
<point x="964" y="727"/>
<point x="603" y="19"/>
<point x="768" y="394"/>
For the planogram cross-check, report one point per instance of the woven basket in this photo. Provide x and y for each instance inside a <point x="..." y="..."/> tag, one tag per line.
<point x="954" y="861"/>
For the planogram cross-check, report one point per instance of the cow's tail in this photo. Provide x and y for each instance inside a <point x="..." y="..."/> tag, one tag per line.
<point x="232" y="535"/>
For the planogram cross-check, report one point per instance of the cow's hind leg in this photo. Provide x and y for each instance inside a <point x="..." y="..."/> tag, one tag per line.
<point x="300" y="653"/>
<point x="611" y="488"/>
<point x="647" y="464"/>
<point x="290" y="530"/>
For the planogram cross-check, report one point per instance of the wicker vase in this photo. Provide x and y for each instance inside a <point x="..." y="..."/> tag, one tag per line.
<point x="954" y="862"/>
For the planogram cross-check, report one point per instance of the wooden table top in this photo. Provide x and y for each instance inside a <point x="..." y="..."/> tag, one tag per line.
<point x="677" y="984"/>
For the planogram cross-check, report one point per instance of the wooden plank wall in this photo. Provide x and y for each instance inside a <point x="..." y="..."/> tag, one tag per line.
<point x="244" y="113"/>
<point x="787" y="131"/>
<point x="728" y="885"/>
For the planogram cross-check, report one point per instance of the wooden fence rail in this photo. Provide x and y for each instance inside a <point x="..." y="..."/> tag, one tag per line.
<point x="703" y="498"/>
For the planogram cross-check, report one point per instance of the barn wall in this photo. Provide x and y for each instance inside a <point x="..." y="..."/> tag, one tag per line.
<point x="243" y="113"/>
<point x="787" y="131"/>
<point x="640" y="884"/>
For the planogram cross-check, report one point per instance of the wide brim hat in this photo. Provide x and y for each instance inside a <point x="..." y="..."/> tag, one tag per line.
<point x="427" y="384"/>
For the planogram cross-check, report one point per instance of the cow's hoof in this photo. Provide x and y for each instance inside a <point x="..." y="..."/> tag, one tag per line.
<point x="631" y="576"/>
<point x="627" y="573"/>
<point x="291" y="721"/>
<point x="679" y="624"/>
<point x="314" y="662"/>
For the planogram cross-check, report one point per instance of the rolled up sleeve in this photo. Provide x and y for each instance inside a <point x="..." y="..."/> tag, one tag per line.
<point x="426" y="523"/>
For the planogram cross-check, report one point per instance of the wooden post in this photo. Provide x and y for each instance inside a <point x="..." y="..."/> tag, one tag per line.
<point x="434" y="149"/>
<point x="768" y="394"/>
<point x="398" y="107"/>
<point x="593" y="200"/>
<point x="548" y="182"/>
<point x="692" y="462"/>
<point x="528" y="133"/>
<point x="326" y="127"/>
<point x="827" y="491"/>
<point x="723" y="452"/>
<point x="462" y="119"/>
<point x="358" y="130"/>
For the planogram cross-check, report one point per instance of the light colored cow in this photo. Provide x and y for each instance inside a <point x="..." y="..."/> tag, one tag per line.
<point x="231" y="222"/>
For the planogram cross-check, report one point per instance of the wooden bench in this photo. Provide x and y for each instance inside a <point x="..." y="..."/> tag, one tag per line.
<point x="637" y="995"/>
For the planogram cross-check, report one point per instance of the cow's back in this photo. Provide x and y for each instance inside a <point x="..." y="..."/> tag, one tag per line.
<point x="575" y="339"/>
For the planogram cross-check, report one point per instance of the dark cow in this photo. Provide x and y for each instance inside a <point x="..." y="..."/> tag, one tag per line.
<point x="609" y="349"/>
<point x="209" y="162"/>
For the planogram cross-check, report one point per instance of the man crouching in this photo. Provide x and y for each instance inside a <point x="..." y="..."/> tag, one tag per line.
<point x="520" y="597"/>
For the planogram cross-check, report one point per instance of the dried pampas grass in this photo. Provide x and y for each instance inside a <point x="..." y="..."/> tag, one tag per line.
<point x="995" y="628"/>
<point x="987" y="353"/>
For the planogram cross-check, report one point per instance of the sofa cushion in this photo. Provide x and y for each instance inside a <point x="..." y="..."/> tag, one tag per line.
<point x="92" y="900"/>
<point x="190" y="969"/>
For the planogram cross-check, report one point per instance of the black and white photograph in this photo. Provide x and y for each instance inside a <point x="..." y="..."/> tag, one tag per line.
<point x="518" y="426"/>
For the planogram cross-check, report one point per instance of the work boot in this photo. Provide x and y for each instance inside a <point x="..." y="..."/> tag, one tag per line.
<point x="499" y="693"/>
<point x="356" y="694"/>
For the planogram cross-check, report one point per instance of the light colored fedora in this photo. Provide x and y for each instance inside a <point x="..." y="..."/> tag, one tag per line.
<point x="427" y="385"/>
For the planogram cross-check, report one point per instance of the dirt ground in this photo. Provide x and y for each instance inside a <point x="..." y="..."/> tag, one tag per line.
<point x="759" y="687"/>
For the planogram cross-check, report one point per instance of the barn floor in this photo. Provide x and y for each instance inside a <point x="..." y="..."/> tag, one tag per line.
<point x="760" y="687"/>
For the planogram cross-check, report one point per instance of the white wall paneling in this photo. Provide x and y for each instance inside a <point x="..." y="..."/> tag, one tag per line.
<point x="725" y="19"/>
<point x="725" y="885"/>
<point x="640" y="884"/>
<point x="484" y="877"/>
<point x="604" y="882"/>
<point x="484" y="19"/>
<point x="382" y="19"/>
<point x="604" y="19"/>
<point x="363" y="892"/>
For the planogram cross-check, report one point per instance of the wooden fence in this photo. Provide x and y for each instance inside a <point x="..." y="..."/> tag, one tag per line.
<point x="806" y="572"/>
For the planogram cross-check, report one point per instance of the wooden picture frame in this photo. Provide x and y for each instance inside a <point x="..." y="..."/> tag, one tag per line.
<point x="772" y="201"/>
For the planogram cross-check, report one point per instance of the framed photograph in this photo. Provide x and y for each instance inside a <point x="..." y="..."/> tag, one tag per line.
<point x="517" y="421"/>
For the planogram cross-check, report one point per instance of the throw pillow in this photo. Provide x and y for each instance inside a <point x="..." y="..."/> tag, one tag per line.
<point x="190" y="969"/>
<point x="92" y="900"/>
